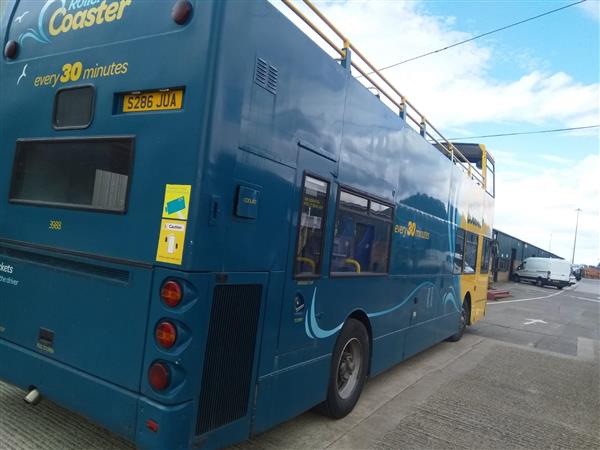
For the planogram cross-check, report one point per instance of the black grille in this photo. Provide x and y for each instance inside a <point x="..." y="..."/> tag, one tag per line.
<point x="266" y="75"/>
<point x="226" y="378"/>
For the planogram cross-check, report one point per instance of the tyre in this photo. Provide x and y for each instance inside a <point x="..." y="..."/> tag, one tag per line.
<point x="560" y="286"/>
<point x="348" y="372"/>
<point x="539" y="282"/>
<point x="516" y="278"/>
<point x="462" y="323"/>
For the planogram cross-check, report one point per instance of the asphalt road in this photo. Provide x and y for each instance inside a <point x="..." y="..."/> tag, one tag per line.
<point x="527" y="376"/>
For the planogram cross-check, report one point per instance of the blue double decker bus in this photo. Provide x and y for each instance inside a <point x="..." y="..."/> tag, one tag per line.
<point x="208" y="225"/>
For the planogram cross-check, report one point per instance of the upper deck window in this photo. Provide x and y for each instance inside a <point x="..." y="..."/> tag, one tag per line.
<point x="490" y="178"/>
<point x="89" y="174"/>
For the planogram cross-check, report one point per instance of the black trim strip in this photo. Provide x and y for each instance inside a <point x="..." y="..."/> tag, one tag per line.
<point x="67" y="265"/>
<point x="107" y="259"/>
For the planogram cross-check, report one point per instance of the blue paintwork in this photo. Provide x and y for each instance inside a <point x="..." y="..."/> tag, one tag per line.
<point x="231" y="133"/>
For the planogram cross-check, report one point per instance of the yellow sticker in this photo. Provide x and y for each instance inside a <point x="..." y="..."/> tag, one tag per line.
<point x="171" y="241"/>
<point x="177" y="200"/>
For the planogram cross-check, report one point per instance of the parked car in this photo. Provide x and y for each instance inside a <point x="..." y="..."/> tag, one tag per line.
<point x="544" y="271"/>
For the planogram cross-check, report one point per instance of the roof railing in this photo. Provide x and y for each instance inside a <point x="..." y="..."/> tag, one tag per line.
<point x="406" y="110"/>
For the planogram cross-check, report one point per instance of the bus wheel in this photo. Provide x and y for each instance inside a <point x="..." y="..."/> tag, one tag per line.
<point x="462" y="322"/>
<point x="539" y="282"/>
<point x="348" y="370"/>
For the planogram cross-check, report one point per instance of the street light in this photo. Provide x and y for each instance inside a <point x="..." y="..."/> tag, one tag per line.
<point x="575" y="240"/>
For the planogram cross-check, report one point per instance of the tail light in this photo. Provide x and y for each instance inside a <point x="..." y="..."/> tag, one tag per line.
<point x="171" y="293"/>
<point x="159" y="376"/>
<point x="181" y="11"/>
<point x="11" y="49"/>
<point x="166" y="334"/>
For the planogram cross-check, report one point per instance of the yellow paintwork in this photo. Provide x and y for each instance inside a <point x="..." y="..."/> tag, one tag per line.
<point x="476" y="285"/>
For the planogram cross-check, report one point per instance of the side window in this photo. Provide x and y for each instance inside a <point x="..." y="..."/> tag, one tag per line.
<point x="470" y="253"/>
<point x="485" y="257"/>
<point x="491" y="178"/>
<point x="361" y="240"/>
<point x="313" y="209"/>
<point x="459" y="250"/>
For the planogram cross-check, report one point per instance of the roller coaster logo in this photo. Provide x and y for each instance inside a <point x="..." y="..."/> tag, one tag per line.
<point x="57" y="18"/>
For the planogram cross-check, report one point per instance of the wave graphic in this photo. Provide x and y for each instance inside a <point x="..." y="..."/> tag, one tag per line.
<point x="314" y="331"/>
<point x="40" y="35"/>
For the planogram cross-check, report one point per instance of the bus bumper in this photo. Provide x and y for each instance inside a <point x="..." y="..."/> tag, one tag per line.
<point x="121" y="411"/>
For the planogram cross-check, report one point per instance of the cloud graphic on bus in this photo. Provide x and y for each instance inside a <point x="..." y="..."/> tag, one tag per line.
<point x="40" y="35"/>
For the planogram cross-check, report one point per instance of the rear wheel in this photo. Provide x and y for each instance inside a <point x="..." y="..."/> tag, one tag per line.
<point x="348" y="370"/>
<point x="539" y="282"/>
<point x="462" y="323"/>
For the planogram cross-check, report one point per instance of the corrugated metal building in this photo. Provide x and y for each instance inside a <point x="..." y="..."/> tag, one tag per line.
<point x="509" y="251"/>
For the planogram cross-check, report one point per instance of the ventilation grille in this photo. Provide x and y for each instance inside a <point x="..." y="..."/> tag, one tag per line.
<point x="229" y="357"/>
<point x="266" y="76"/>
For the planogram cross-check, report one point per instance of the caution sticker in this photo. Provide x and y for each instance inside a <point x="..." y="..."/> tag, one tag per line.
<point x="177" y="200"/>
<point x="171" y="241"/>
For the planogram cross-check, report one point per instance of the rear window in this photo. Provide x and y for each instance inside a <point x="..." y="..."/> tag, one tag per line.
<point x="91" y="174"/>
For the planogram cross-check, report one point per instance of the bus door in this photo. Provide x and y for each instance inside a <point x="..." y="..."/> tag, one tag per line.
<point x="314" y="203"/>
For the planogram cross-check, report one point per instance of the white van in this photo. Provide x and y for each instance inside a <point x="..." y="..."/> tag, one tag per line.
<point x="544" y="271"/>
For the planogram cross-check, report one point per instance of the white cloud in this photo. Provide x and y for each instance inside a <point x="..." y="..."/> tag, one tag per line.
<point x="533" y="204"/>
<point x="556" y="159"/>
<point x="456" y="88"/>
<point x="592" y="8"/>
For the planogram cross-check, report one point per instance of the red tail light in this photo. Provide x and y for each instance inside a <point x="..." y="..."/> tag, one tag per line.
<point x="159" y="376"/>
<point x="171" y="293"/>
<point x="181" y="11"/>
<point x="166" y="334"/>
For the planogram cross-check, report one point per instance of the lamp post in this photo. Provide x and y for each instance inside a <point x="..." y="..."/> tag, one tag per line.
<point x="575" y="240"/>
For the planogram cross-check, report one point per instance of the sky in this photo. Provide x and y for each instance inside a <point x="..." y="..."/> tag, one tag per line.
<point x="543" y="74"/>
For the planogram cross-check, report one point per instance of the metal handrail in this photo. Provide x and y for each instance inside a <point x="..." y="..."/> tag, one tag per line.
<point x="402" y="104"/>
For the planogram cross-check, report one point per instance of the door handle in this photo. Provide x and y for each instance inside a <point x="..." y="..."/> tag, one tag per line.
<point x="299" y="304"/>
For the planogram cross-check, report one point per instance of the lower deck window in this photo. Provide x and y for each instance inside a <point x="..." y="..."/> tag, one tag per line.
<point x="470" y="253"/>
<point x="311" y="228"/>
<point x="362" y="236"/>
<point x="459" y="251"/>
<point x="76" y="173"/>
<point x="485" y="257"/>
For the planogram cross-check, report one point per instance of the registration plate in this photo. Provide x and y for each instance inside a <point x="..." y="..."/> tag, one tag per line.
<point x="163" y="100"/>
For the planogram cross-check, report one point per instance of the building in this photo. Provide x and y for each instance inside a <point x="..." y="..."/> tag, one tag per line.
<point x="509" y="251"/>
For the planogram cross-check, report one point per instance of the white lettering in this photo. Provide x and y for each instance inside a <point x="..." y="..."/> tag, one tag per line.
<point x="6" y="268"/>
